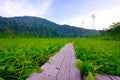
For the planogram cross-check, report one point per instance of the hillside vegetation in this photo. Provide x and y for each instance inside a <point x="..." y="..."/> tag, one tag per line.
<point x="38" y="27"/>
<point x="113" y="33"/>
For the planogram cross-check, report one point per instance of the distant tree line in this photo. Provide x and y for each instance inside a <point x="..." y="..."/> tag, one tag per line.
<point x="38" y="27"/>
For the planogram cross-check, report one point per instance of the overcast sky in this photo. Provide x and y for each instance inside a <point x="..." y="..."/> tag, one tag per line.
<point x="71" y="12"/>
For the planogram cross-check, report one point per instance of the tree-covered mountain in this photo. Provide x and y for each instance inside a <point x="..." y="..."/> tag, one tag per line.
<point x="34" y="26"/>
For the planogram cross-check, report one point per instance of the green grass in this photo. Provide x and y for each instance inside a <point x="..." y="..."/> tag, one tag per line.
<point x="21" y="57"/>
<point x="98" y="56"/>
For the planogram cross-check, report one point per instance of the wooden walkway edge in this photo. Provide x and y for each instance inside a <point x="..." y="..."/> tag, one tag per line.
<point x="103" y="77"/>
<point x="61" y="66"/>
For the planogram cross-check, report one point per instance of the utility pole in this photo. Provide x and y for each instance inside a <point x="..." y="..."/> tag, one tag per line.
<point x="93" y="23"/>
<point x="83" y="23"/>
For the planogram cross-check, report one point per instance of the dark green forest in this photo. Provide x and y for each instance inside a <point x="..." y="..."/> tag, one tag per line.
<point x="113" y="32"/>
<point x="27" y="26"/>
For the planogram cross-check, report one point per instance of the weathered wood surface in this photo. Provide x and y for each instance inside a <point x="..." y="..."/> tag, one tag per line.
<point x="104" y="77"/>
<point x="61" y="66"/>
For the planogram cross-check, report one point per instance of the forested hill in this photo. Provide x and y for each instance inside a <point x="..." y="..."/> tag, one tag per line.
<point x="113" y="32"/>
<point x="34" y="26"/>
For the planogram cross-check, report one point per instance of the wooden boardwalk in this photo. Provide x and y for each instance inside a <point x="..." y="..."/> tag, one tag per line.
<point x="62" y="66"/>
<point x="104" y="77"/>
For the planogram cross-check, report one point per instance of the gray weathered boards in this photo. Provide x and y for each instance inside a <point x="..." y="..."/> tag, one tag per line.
<point x="104" y="77"/>
<point x="61" y="66"/>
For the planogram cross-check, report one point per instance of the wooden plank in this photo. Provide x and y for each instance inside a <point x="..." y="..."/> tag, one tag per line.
<point x="61" y="66"/>
<point x="115" y="77"/>
<point x="55" y="62"/>
<point x="56" y="58"/>
<point x="65" y="67"/>
<point x="36" y="76"/>
<point x="74" y="72"/>
<point x="102" y="77"/>
<point x="107" y="77"/>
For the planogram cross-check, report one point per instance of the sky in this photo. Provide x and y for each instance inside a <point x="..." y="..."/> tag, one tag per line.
<point x="71" y="12"/>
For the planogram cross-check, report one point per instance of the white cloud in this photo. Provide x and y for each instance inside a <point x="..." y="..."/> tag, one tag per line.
<point x="24" y="7"/>
<point x="104" y="18"/>
<point x="107" y="17"/>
